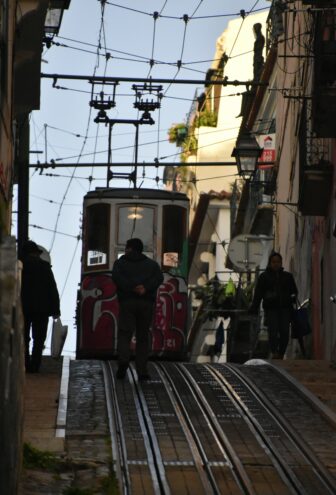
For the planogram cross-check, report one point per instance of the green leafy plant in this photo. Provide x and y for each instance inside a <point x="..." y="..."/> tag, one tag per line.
<point x="206" y="119"/>
<point x="189" y="147"/>
<point x="217" y="299"/>
<point x="34" y="458"/>
<point x="177" y="134"/>
<point x="110" y="485"/>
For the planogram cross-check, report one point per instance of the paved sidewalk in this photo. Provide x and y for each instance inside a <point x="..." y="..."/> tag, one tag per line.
<point x="318" y="376"/>
<point x="39" y="426"/>
<point x="41" y="406"/>
<point x="80" y="462"/>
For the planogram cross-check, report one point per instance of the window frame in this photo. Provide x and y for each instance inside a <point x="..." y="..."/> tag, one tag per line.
<point x="104" y="266"/>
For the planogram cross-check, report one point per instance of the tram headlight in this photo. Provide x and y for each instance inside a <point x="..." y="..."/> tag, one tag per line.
<point x="135" y="213"/>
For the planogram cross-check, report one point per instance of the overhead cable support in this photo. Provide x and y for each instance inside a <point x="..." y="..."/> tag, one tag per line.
<point x="108" y="79"/>
<point x="146" y="164"/>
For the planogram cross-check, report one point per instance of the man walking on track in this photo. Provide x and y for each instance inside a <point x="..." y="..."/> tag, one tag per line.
<point x="137" y="278"/>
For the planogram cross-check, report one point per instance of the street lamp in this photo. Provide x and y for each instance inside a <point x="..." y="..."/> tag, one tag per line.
<point x="246" y="152"/>
<point x="54" y="16"/>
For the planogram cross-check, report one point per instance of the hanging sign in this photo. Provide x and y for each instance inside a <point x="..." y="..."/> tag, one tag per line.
<point x="267" y="142"/>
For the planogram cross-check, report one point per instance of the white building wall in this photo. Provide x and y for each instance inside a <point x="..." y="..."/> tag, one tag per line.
<point x="217" y="143"/>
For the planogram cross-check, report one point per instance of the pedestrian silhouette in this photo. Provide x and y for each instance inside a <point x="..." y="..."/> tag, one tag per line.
<point x="278" y="291"/>
<point x="40" y="299"/>
<point x="137" y="278"/>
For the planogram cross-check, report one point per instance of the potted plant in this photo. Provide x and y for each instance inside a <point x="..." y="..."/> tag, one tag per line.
<point x="177" y="134"/>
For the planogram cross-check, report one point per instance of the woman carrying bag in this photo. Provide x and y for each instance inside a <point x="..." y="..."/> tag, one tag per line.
<point x="278" y="291"/>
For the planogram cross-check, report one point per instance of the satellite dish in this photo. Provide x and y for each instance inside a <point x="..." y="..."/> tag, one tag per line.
<point x="246" y="251"/>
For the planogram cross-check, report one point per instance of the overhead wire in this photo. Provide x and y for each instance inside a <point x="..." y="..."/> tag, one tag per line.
<point x="48" y="200"/>
<point x="150" y="143"/>
<point x="213" y="16"/>
<point x="52" y="230"/>
<point x="158" y="131"/>
<point x="179" y="62"/>
<point x="66" y="279"/>
<point x="105" y="70"/>
<point x="185" y="33"/>
<point x="84" y="141"/>
<point x="163" y="6"/>
<point x="70" y="267"/>
<point x="147" y="60"/>
<point x="196" y="9"/>
<point x="186" y="181"/>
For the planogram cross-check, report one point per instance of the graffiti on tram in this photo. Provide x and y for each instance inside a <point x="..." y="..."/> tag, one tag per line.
<point x="99" y="311"/>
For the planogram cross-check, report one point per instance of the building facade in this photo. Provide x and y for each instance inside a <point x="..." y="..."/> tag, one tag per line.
<point x="209" y="137"/>
<point x="25" y="26"/>
<point x="300" y="185"/>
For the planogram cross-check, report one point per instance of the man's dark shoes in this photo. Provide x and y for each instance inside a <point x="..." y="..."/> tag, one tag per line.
<point x="121" y="371"/>
<point x="144" y="377"/>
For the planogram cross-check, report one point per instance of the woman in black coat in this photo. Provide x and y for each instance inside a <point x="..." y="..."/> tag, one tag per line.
<point x="278" y="291"/>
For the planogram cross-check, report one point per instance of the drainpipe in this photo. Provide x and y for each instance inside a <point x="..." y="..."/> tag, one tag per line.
<point x="22" y="168"/>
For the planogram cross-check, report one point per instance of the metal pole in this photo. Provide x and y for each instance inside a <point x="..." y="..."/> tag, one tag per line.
<point x="109" y="155"/>
<point x="148" y="164"/>
<point x="22" y="165"/>
<point x="106" y="79"/>
<point x="45" y="144"/>
<point x="136" y="153"/>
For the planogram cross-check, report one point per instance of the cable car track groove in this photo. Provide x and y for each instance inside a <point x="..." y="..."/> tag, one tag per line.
<point x="206" y="428"/>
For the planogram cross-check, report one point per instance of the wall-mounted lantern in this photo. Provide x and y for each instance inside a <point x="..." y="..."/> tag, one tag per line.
<point x="246" y="152"/>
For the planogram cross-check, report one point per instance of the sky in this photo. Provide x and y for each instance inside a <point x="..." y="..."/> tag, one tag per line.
<point x="118" y="40"/>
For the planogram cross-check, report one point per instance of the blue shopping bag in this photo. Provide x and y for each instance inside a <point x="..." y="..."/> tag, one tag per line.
<point x="300" y="323"/>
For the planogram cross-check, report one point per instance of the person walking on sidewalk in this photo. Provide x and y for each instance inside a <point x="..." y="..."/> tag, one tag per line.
<point x="40" y="299"/>
<point x="278" y="291"/>
<point x="137" y="278"/>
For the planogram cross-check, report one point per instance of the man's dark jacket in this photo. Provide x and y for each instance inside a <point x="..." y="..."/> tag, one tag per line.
<point x="276" y="289"/>
<point x="134" y="269"/>
<point x="39" y="294"/>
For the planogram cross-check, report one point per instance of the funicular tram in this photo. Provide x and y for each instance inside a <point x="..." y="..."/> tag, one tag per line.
<point x="111" y="216"/>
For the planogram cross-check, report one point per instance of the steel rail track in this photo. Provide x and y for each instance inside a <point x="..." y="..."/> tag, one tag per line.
<point x="118" y="441"/>
<point x="321" y="471"/>
<point x="286" y="473"/>
<point x="119" y="454"/>
<point x="186" y="398"/>
<point x="323" y="478"/>
<point x="202" y="462"/>
<point x="238" y="470"/>
<point x="156" y="465"/>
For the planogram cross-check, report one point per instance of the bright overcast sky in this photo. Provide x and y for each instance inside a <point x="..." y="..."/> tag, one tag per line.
<point x="114" y="41"/>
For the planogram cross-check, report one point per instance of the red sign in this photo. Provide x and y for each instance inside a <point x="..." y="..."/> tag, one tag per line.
<point x="268" y="155"/>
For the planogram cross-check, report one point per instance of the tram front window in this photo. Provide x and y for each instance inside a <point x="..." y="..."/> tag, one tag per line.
<point x="136" y="221"/>
<point x="97" y="235"/>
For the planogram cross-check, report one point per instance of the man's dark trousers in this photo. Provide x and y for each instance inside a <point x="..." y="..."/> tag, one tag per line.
<point x="39" y="326"/>
<point x="278" y="321"/>
<point x="135" y="317"/>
